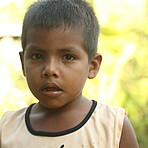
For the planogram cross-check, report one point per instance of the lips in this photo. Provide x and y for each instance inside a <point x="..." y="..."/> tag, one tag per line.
<point x="51" y="90"/>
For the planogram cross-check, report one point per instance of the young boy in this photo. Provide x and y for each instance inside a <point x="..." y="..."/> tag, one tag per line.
<point x="59" y="41"/>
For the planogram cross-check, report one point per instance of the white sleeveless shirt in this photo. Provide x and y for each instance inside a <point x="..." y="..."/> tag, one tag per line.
<point x="101" y="128"/>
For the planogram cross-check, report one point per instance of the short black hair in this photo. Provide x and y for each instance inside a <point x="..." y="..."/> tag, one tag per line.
<point x="50" y="14"/>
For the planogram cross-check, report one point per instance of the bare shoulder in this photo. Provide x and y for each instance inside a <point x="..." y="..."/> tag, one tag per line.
<point x="128" y="138"/>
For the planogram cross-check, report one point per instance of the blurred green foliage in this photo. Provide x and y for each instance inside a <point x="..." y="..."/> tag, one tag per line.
<point x="123" y="77"/>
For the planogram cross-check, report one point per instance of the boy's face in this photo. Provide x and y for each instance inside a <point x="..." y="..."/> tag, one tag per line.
<point x="56" y="65"/>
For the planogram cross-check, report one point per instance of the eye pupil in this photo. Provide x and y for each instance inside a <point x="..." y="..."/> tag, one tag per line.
<point x="36" y="56"/>
<point x="69" y="57"/>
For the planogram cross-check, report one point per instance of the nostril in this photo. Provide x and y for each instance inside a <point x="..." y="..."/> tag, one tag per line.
<point x="54" y="75"/>
<point x="50" y="70"/>
<point x="46" y="75"/>
<point x="49" y="75"/>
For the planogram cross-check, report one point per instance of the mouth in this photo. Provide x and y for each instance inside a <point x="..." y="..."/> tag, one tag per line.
<point x="51" y="90"/>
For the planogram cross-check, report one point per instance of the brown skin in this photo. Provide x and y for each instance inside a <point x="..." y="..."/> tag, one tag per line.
<point x="56" y="61"/>
<point x="56" y="67"/>
<point x="128" y="138"/>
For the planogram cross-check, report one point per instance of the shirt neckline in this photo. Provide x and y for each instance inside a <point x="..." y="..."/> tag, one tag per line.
<point x="61" y="133"/>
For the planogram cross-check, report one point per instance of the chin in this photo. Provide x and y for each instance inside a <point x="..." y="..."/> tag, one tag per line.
<point x="52" y="104"/>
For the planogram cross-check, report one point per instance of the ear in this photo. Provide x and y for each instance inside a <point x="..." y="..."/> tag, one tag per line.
<point x="94" y="66"/>
<point x="22" y="61"/>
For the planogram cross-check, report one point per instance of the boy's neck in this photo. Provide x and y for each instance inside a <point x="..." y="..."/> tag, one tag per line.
<point x="54" y="120"/>
<point x="74" y="105"/>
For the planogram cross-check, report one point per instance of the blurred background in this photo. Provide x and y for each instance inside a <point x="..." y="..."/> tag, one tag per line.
<point x="123" y="43"/>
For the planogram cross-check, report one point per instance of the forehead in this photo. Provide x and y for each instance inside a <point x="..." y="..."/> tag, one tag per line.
<point x="55" y="38"/>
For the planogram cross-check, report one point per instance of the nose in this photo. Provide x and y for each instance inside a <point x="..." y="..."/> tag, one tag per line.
<point x="50" y="69"/>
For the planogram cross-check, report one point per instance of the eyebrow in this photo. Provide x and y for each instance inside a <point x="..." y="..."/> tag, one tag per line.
<point x="34" y="48"/>
<point x="68" y="49"/>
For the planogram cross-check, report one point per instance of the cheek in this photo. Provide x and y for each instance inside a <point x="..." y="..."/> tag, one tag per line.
<point x="32" y="77"/>
<point x="75" y="86"/>
<point x="77" y="78"/>
<point x="32" y="71"/>
<point x="31" y="82"/>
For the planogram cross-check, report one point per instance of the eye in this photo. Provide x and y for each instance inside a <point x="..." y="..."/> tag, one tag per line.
<point x="36" y="56"/>
<point x="69" y="57"/>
